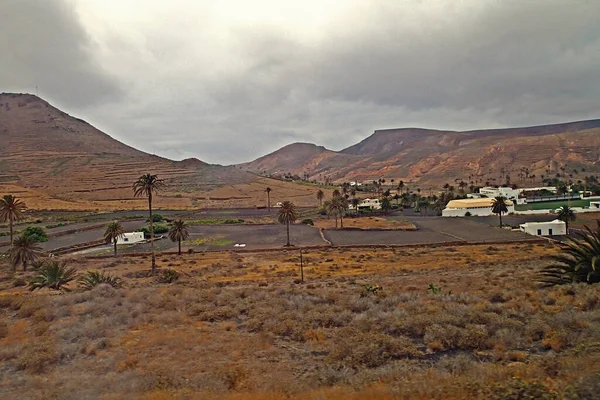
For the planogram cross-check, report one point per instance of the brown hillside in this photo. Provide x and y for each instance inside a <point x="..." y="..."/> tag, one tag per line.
<point x="59" y="161"/>
<point x="432" y="157"/>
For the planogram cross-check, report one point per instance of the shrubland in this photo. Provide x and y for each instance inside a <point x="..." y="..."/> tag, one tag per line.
<point x="445" y="322"/>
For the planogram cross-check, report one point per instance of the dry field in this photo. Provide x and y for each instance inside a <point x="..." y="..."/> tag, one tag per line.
<point x="241" y="326"/>
<point x="367" y="223"/>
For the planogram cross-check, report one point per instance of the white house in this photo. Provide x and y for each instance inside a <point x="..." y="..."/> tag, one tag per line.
<point x="550" y="228"/>
<point x="370" y="204"/>
<point x="130" y="238"/>
<point x="506" y="192"/>
<point x="595" y="204"/>
<point x="355" y="184"/>
<point x="476" y="207"/>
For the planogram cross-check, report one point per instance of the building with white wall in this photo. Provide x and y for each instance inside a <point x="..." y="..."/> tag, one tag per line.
<point x="506" y="192"/>
<point x="367" y="204"/>
<point x="550" y="228"/>
<point x="595" y="204"/>
<point x="475" y="207"/>
<point x="131" y="238"/>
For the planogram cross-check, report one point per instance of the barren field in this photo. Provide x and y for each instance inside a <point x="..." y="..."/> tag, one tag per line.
<point x="242" y="326"/>
<point x="367" y="223"/>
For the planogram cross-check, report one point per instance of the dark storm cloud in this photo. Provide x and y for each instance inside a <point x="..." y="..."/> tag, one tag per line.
<point x="42" y="43"/>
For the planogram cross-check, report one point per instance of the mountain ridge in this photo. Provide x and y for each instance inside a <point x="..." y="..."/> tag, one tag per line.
<point x="432" y="156"/>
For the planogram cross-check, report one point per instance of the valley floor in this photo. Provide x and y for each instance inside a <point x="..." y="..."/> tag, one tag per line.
<point x="449" y="323"/>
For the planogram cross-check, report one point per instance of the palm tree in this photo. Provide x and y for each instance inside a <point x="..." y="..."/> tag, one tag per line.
<point x="113" y="232"/>
<point x="566" y="214"/>
<point x="336" y="193"/>
<point x="53" y="276"/>
<point x="320" y="197"/>
<point x="11" y="210"/>
<point x="146" y="186"/>
<point x="499" y="206"/>
<point x="287" y="215"/>
<point x="25" y="250"/>
<point x="95" y="278"/>
<point x="355" y="202"/>
<point x="179" y="232"/>
<point x="580" y="261"/>
<point x="268" y="190"/>
<point x="386" y="205"/>
<point x="338" y="206"/>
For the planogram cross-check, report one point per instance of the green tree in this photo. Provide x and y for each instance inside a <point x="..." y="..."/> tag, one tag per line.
<point x="268" y="190"/>
<point x="11" y="211"/>
<point x="179" y="232"/>
<point x="287" y="215"/>
<point x="53" y="275"/>
<point x="579" y="261"/>
<point x="113" y="232"/>
<point x="320" y="197"/>
<point x="24" y="251"/>
<point x="35" y="233"/>
<point x="386" y="204"/>
<point x="566" y="214"/>
<point x="146" y="186"/>
<point x="499" y="206"/>
<point x="355" y="202"/>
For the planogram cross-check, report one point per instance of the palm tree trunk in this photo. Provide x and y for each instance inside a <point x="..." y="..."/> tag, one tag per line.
<point x="10" y="225"/>
<point x="500" y="216"/>
<point x="341" y="221"/>
<point x="24" y="265"/>
<point x="288" y="233"/>
<point x="268" y="201"/>
<point x="151" y="232"/>
<point x="179" y="246"/>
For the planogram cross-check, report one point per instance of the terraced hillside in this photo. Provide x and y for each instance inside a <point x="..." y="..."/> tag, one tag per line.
<point x="435" y="157"/>
<point x="58" y="161"/>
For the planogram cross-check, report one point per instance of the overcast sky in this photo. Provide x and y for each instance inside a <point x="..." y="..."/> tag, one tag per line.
<point x="231" y="80"/>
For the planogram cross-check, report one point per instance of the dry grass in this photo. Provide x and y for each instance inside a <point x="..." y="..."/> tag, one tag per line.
<point x="367" y="223"/>
<point x="237" y="326"/>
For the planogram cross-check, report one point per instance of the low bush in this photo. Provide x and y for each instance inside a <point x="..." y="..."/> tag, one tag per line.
<point x="35" y="233"/>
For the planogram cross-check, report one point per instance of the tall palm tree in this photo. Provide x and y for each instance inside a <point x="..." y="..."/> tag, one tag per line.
<point x="338" y="206"/>
<point x="566" y="214"/>
<point x="320" y="197"/>
<point x="355" y="202"/>
<point x="386" y="205"/>
<point x="113" y="232"/>
<point x="11" y="210"/>
<point x="499" y="206"/>
<point x="25" y="250"/>
<point x="268" y="190"/>
<point x="146" y="186"/>
<point x="179" y="232"/>
<point x="287" y="215"/>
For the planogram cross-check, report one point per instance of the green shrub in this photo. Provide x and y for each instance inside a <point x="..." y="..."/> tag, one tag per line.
<point x="95" y="278"/>
<point x="156" y="218"/>
<point x="168" y="276"/>
<point x="158" y="229"/>
<point x="308" y="221"/>
<point x="35" y="233"/>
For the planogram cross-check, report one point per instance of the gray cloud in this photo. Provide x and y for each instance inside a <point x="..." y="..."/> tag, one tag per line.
<point x="43" y="44"/>
<point x="231" y="95"/>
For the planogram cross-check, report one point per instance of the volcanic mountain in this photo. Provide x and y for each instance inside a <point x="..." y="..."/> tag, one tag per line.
<point x="433" y="157"/>
<point x="54" y="160"/>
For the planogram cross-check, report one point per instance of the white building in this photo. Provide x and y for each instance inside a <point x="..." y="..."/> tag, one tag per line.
<point x="550" y="228"/>
<point x="476" y="207"/>
<point x="355" y="184"/>
<point x="370" y="204"/>
<point x="595" y="204"/>
<point x="506" y="192"/>
<point x="130" y="238"/>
